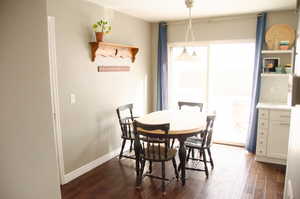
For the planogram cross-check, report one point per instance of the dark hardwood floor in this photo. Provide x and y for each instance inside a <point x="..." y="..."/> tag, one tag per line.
<point x="236" y="176"/>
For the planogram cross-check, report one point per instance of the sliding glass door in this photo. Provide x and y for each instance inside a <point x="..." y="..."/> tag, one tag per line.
<point x="222" y="80"/>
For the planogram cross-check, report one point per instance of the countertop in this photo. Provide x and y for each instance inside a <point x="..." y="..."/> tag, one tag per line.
<point x="273" y="106"/>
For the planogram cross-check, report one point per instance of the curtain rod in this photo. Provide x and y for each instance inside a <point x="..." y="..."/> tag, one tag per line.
<point x="250" y="16"/>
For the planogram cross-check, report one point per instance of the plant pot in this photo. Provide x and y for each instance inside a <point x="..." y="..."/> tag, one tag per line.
<point x="99" y="36"/>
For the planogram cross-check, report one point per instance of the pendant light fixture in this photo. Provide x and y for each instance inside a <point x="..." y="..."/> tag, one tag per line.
<point x="189" y="36"/>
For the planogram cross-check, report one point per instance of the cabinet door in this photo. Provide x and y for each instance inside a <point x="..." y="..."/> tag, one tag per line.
<point x="278" y="139"/>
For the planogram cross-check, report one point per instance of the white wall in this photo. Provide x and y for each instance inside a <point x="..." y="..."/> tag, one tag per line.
<point x="27" y="153"/>
<point x="238" y="27"/>
<point x="90" y="128"/>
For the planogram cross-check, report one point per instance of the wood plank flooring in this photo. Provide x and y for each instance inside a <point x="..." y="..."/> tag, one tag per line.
<point x="236" y="176"/>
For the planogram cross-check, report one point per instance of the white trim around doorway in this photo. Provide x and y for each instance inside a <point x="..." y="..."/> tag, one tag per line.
<point x="55" y="99"/>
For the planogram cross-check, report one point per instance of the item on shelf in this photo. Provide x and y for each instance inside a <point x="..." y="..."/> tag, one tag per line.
<point x="280" y="69"/>
<point x="288" y="68"/>
<point x="278" y="33"/>
<point x="270" y="63"/>
<point x="284" y="45"/>
<point x="100" y="28"/>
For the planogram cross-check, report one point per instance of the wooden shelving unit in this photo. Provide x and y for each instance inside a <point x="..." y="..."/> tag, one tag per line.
<point x="275" y="74"/>
<point x="105" y="49"/>
<point x="287" y="55"/>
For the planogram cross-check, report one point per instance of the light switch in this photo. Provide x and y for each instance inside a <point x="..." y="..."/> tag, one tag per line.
<point x="72" y="98"/>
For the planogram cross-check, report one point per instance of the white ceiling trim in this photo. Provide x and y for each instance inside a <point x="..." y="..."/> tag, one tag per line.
<point x="171" y="10"/>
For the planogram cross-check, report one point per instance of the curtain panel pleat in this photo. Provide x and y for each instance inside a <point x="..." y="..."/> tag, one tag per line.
<point x="260" y="37"/>
<point x="162" y="67"/>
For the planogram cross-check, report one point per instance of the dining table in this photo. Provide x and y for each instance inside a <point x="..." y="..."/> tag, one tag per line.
<point x="183" y="124"/>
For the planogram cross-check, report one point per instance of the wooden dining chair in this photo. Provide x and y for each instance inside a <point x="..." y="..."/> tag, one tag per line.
<point x="203" y="145"/>
<point x="181" y="105"/>
<point x="126" y="118"/>
<point x="153" y="147"/>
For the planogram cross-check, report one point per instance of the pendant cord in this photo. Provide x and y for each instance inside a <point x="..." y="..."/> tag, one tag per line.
<point x="189" y="30"/>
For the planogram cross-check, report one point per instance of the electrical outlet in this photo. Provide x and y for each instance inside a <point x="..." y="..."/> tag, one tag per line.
<point x="290" y="192"/>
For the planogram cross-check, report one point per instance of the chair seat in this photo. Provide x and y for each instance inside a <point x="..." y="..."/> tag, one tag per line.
<point x="153" y="154"/>
<point x="194" y="139"/>
<point x="194" y="142"/>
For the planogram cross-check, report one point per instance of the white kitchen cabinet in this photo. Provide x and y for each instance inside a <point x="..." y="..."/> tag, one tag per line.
<point x="272" y="135"/>
<point x="278" y="139"/>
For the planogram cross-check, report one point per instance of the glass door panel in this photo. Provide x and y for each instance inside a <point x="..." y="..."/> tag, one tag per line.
<point x="188" y="80"/>
<point x="230" y="84"/>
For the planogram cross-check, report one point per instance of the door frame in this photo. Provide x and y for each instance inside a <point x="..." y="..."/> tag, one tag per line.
<point x="206" y="44"/>
<point x="55" y="99"/>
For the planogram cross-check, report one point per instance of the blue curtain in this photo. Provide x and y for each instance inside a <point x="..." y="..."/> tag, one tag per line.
<point x="162" y="67"/>
<point x="260" y="38"/>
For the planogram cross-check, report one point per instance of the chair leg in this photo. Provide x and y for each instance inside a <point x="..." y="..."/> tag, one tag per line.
<point x="122" y="148"/>
<point x="150" y="166"/>
<point x="173" y="141"/>
<point x="163" y="176"/>
<point x="188" y="155"/>
<point x="200" y="154"/>
<point x="131" y="143"/>
<point x="205" y="163"/>
<point x="137" y="169"/>
<point x="193" y="153"/>
<point x="175" y="167"/>
<point x="142" y="166"/>
<point x="210" y="158"/>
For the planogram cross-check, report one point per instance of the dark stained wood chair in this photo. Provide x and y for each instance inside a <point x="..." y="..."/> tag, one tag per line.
<point x="182" y="104"/>
<point x="126" y="118"/>
<point x="153" y="147"/>
<point x="190" y="104"/>
<point x="202" y="144"/>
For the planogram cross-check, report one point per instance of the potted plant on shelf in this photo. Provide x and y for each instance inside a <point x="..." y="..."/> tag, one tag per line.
<point x="101" y="27"/>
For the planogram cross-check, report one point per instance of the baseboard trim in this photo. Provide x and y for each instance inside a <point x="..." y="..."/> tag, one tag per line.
<point x="270" y="160"/>
<point x="86" y="168"/>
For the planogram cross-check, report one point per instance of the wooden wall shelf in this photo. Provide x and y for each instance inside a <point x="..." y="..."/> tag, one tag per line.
<point x="112" y="50"/>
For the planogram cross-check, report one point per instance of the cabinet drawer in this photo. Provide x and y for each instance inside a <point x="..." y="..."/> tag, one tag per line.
<point x="261" y="141"/>
<point x="276" y="115"/>
<point x="261" y="150"/>
<point x="263" y="114"/>
<point x="262" y="124"/>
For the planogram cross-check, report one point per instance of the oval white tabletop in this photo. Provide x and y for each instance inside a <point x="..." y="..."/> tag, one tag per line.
<point x="181" y="121"/>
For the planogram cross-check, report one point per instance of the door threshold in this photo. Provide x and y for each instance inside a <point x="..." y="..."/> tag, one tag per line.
<point x="230" y="144"/>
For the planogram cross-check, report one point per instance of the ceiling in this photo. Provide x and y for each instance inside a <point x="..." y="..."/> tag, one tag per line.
<point x="168" y="10"/>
